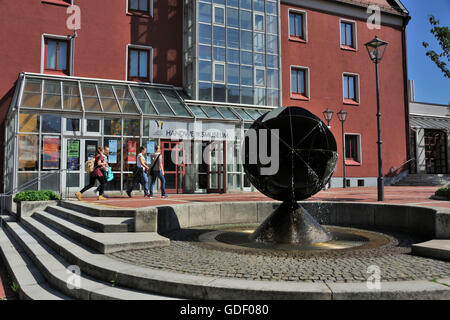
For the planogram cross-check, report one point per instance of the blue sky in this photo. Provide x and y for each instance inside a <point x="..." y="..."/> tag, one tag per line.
<point x="430" y="83"/>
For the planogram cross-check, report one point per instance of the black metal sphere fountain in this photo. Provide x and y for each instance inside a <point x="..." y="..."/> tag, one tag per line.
<point x="307" y="160"/>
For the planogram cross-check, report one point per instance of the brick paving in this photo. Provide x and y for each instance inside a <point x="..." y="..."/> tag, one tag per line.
<point x="190" y="257"/>
<point x="401" y="195"/>
<point x="394" y="260"/>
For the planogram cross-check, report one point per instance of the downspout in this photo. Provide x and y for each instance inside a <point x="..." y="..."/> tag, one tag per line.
<point x="406" y="20"/>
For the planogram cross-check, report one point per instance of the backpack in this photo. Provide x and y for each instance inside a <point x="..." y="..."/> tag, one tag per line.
<point x="90" y="165"/>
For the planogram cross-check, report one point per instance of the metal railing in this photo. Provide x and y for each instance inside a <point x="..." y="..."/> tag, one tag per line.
<point x="41" y="177"/>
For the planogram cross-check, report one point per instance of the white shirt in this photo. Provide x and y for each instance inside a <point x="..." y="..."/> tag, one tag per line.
<point x="138" y="162"/>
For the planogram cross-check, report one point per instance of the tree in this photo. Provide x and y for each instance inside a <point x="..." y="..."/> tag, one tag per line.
<point x="442" y="35"/>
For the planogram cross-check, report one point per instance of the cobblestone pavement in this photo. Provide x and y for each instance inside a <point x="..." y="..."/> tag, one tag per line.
<point x="191" y="257"/>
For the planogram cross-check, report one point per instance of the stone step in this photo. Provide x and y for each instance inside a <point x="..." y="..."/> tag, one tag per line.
<point x="55" y="270"/>
<point x="31" y="284"/>
<point x="100" y="224"/>
<point x="434" y="249"/>
<point x="102" y="242"/>
<point x="102" y="267"/>
<point x="98" y="210"/>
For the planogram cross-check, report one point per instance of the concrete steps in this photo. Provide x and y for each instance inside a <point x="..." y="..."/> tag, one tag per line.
<point x="100" y="224"/>
<point x="31" y="284"/>
<point x="42" y="270"/>
<point x="434" y="249"/>
<point x="102" y="242"/>
<point x="424" y="180"/>
<point x="96" y="211"/>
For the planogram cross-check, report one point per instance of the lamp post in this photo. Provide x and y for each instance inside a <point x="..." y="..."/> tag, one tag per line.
<point x="328" y="115"/>
<point x="376" y="49"/>
<point x="342" y="116"/>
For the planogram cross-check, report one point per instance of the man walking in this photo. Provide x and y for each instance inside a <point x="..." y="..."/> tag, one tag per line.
<point x="140" y="174"/>
<point x="157" y="171"/>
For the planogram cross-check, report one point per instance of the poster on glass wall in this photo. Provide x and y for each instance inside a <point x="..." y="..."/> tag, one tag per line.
<point x="73" y="154"/>
<point x="131" y="152"/>
<point x="28" y="149"/>
<point x="150" y="150"/>
<point x="112" y="158"/>
<point x="50" y="153"/>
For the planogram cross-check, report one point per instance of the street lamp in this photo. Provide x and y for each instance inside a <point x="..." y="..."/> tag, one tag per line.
<point x="328" y="114"/>
<point x="376" y="49"/>
<point x="342" y="116"/>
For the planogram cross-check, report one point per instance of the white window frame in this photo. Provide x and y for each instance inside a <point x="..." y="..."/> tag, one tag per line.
<point x="150" y="9"/>
<point x="214" y="22"/>
<point x="265" y="77"/>
<point x="305" y="23"/>
<point x="69" y="132"/>
<point x="355" y="33"/>
<point x="254" y="21"/>
<point x="307" y="84"/>
<point x="357" y="89"/>
<point x="214" y="72"/>
<point x="69" y="39"/>
<point x="359" y="145"/>
<point x="150" y="66"/>
<point x="90" y="133"/>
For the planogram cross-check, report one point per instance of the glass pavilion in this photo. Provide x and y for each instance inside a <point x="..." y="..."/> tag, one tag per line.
<point x="55" y="124"/>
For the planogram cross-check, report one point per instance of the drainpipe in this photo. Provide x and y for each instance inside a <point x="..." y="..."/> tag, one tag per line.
<point x="405" y="85"/>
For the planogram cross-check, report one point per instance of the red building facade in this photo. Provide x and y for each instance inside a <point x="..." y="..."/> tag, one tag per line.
<point x="326" y="60"/>
<point x="113" y="34"/>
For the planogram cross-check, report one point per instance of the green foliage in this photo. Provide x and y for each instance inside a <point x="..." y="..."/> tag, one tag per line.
<point x="442" y="35"/>
<point x="443" y="192"/>
<point x="32" y="195"/>
<point x="114" y="280"/>
<point x="15" y="287"/>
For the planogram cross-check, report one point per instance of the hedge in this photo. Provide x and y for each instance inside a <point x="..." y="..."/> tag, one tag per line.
<point x="443" y="192"/>
<point x="32" y="195"/>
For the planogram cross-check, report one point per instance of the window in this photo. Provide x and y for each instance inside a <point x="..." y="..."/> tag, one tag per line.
<point x="56" y="56"/>
<point x="140" y="6"/>
<point x="138" y="64"/>
<point x="258" y="22"/>
<point x="299" y="83"/>
<point x="297" y="25"/>
<point x="219" y="15"/>
<point x="260" y="77"/>
<point x="219" y="72"/>
<point x="351" y="88"/>
<point x="352" y="149"/>
<point x="64" y="3"/>
<point x="348" y="35"/>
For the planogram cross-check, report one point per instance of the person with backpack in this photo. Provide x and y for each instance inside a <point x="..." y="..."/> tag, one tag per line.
<point x="105" y="170"/>
<point x="157" y="171"/>
<point x="140" y="173"/>
<point x="94" y="167"/>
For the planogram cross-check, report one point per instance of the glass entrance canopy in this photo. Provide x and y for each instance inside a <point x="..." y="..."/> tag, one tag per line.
<point x="50" y="93"/>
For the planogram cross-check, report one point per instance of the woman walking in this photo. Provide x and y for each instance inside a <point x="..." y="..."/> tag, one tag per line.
<point x="97" y="174"/>
<point x="157" y="171"/>
<point x="140" y="174"/>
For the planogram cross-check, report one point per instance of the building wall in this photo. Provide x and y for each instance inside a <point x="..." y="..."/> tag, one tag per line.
<point x="327" y="62"/>
<point x="101" y="46"/>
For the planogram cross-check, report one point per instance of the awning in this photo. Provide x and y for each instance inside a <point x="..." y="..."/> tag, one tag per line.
<point x="73" y="94"/>
<point x="439" y="123"/>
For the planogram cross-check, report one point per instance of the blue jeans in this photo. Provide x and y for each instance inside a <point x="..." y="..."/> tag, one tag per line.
<point x="140" y="178"/>
<point x="154" y="175"/>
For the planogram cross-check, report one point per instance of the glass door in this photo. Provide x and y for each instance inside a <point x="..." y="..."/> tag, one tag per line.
<point x="172" y="153"/>
<point x="216" y="167"/>
<point x="76" y="152"/>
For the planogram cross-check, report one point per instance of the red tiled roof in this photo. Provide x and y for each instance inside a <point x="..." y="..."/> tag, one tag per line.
<point x="385" y="5"/>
